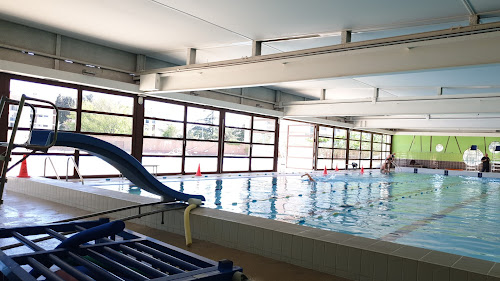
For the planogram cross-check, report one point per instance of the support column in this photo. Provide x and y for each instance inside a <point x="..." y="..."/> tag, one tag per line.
<point x="256" y="48"/>
<point x="140" y="64"/>
<point x="242" y="93"/>
<point x="440" y="91"/>
<point x="322" y="94"/>
<point x="191" y="56"/>
<point x="278" y="103"/>
<point x="376" y="93"/>
<point x="345" y="36"/>
<point x="58" y="51"/>
<point x="4" y="118"/>
<point x="138" y="128"/>
<point x="473" y="19"/>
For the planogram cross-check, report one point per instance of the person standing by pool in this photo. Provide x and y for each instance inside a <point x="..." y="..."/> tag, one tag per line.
<point x="386" y="166"/>
<point x="486" y="163"/>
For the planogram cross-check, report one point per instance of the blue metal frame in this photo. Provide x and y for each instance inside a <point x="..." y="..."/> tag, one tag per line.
<point x="127" y="256"/>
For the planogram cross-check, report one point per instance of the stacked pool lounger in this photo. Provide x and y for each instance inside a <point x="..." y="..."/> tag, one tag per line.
<point x="101" y="250"/>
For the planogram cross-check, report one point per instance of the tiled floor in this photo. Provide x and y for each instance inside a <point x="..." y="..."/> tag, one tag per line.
<point x="24" y="210"/>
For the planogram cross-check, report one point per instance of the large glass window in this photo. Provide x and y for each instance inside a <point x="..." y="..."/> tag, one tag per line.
<point x="94" y="122"/>
<point x="332" y="147"/>
<point x="95" y="101"/>
<point x="339" y="148"/>
<point x="176" y="136"/>
<point x="300" y="149"/>
<point x="66" y="100"/>
<point x="248" y="143"/>
<point x="163" y="142"/>
<point x="377" y="151"/>
<point x="386" y="146"/>
<point x="360" y="147"/>
<point x="202" y="134"/>
<point x="363" y="148"/>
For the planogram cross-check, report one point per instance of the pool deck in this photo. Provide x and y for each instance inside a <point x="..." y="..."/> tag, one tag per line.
<point x="20" y="209"/>
<point x="296" y="246"/>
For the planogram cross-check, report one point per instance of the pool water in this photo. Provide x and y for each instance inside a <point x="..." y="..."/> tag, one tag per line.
<point x="454" y="214"/>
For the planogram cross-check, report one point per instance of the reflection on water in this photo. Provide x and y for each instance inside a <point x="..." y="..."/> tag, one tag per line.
<point x="441" y="212"/>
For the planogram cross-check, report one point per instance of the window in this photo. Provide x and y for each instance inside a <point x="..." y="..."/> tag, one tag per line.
<point x="249" y="143"/>
<point x="377" y="151"/>
<point x="177" y="136"/>
<point x="163" y="132"/>
<point x="332" y="147"/>
<point x="64" y="98"/>
<point x="97" y="109"/>
<point x="300" y="148"/>
<point x="106" y="116"/>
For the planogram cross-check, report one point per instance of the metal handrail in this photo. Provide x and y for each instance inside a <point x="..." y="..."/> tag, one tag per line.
<point x="5" y="157"/>
<point x="183" y="205"/>
<point x="397" y="168"/>
<point x="76" y="169"/>
<point x="53" y="167"/>
<point x="56" y="124"/>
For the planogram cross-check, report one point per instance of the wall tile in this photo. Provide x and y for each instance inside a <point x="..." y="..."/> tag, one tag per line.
<point x="458" y="275"/>
<point x="307" y="252"/>
<point x="474" y="265"/>
<point x="367" y="263"/>
<point x="286" y="246"/>
<point x="297" y="248"/>
<point x="394" y="268"/>
<point x="319" y="255"/>
<point x="380" y="267"/>
<point x="409" y="269"/>
<point x="342" y="258"/>
<point x="331" y="255"/>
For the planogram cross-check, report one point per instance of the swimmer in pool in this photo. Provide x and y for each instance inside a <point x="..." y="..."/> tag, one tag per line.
<point x="309" y="176"/>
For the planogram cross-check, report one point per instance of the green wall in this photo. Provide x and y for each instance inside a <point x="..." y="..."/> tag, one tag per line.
<point x="424" y="147"/>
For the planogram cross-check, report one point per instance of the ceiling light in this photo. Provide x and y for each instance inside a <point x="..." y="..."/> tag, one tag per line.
<point x="329" y="34"/>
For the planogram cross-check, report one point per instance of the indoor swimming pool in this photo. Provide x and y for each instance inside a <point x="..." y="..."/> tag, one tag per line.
<point x="454" y="214"/>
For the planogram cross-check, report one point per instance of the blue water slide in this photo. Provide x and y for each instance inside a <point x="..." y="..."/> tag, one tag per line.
<point x="121" y="160"/>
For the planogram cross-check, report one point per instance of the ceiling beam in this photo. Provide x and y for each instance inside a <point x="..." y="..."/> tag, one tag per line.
<point x="448" y="133"/>
<point x="425" y="124"/>
<point x="417" y="52"/>
<point x="486" y="103"/>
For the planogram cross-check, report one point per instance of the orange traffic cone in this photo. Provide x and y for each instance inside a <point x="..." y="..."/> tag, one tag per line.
<point x="198" y="173"/>
<point x="23" y="172"/>
<point x="362" y="170"/>
<point x="325" y="172"/>
<point x="336" y="168"/>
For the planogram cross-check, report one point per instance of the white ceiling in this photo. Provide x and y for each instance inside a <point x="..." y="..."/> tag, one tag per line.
<point x="225" y="29"/>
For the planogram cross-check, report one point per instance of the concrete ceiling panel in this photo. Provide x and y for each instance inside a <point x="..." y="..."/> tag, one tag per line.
<point x="262" y="19"/>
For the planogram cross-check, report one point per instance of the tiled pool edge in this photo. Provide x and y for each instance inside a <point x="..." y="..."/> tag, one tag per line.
<point x="344" y="255"/>
<point x="448" y="172"/>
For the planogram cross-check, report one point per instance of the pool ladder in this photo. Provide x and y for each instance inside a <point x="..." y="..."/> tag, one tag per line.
<point x="75" y="166"/>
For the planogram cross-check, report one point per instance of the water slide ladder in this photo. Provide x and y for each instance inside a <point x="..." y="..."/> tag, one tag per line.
<point x="33" y="144"/>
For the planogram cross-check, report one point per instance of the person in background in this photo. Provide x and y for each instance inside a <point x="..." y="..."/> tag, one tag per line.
<point x="386" y="166"/>
<point x="486" y="163"/>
